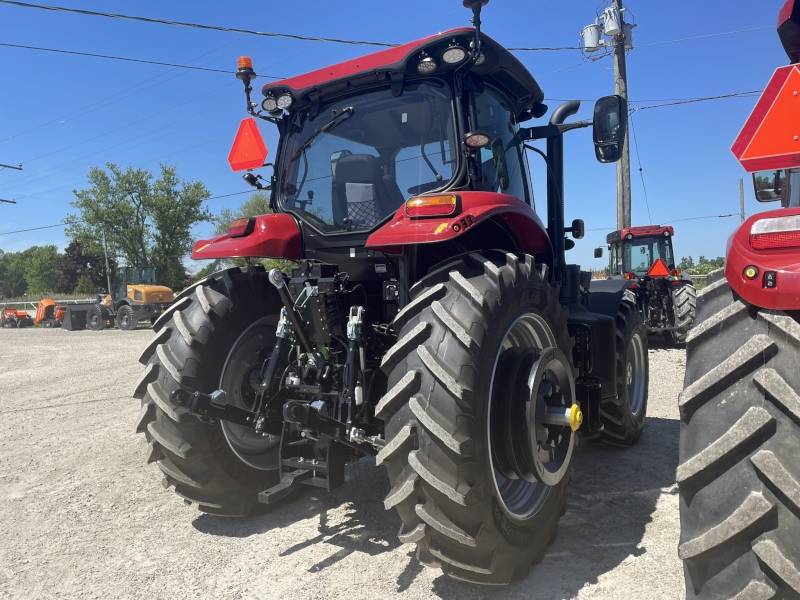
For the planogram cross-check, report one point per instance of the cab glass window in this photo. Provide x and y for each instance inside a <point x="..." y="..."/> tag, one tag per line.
<point x="505" y="168"/>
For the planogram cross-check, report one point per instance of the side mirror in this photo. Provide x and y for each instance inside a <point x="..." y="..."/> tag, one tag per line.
<point x="768" y="185"/>
<point x="609" y="126"/>
<point x="578" y="229"/>
<point x="598" y="253"/>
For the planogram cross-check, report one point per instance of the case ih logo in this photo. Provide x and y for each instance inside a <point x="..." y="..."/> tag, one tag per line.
<point x="771" y="137"/>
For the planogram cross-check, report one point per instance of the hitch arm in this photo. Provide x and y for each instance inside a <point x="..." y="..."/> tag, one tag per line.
<point x="215" y="406"/>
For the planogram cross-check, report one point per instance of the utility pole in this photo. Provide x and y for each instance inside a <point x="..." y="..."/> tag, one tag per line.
<point x="624" y="164"/>
<point x="108" y="269"/>
<point x="741" y="198"/>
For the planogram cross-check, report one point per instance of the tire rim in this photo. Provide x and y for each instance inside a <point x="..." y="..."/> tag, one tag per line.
<point x="520" y="498"/>
<point x="244" y="362"/>
<point x="634" y="371"/>
<point x="125" y="321"/>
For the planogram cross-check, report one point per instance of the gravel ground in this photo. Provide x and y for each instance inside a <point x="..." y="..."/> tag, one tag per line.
<point x="82" y="515"/>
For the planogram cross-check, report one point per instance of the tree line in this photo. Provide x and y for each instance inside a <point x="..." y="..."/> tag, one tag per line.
<point x="141" y="219"/>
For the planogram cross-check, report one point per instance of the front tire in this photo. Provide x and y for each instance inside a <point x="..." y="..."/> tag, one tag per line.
<point x="96" y="317"/>
<point x="739" y="475"/>
<point x="441" y="454"/>
<point x="194" y="341"/>
<point x="125" y="318"/>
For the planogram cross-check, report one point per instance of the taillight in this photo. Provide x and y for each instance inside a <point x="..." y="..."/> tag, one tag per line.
<point x="676" y="272"/>
<point x="630" y="276"/>
<point x="241" y="227"/>
<point x="778" y="232"/>
<point x="432" y="206"/>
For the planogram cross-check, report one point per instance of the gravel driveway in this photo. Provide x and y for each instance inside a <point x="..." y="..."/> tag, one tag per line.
<point x="82" y="515"/>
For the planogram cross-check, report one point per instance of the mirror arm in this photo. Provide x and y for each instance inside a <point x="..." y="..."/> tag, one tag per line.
<point x="550" y="131"/>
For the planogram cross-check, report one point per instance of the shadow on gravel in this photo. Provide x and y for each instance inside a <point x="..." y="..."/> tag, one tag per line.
<point x="610" y="503"/>
<point x="352" y="518"/>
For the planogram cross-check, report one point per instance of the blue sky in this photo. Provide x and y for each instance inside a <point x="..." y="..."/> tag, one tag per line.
<point x="60" y="115"/>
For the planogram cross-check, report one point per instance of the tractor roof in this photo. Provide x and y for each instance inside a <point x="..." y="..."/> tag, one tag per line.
<point x="789" y="29"/>
<point x="639" y="232"/>
<point x="500" y="68"/>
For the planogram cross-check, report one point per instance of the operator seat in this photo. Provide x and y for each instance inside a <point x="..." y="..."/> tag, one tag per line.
<point x="367" y="200"/>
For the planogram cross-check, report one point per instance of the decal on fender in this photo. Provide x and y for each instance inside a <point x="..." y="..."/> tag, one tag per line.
<point x="201" y="248"/>
<point x="441" y="228"/>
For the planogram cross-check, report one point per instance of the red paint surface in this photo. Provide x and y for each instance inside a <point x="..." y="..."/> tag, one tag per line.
<point x="274" y="236"/>
<point x="786" y="12"/>
<point x="767" y="140"/>
<point x="786" y="263"/>
<point x="249" y="150"/>
<point x="478" y="206"/>
<point x="385" y="59"/>
<point x="646" y="231"/>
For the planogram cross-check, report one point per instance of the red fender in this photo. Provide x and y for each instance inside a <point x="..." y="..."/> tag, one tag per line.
<point x="476" y="207"/>
<point x="784" y="262"/>
<point x="274" y="236"/>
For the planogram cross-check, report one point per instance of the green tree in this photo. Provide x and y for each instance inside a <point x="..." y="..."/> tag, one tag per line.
<point x="704" y="265"/>
<point x="85" y="287"/>
<point x="78" y="261"/>
<point x="13" y="271"/>
<point x="41" y="271"/>
<point x="146" y="222"/>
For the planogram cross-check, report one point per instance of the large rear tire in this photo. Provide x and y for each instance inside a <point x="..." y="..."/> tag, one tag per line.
<point x="739" y="474"/>
<point x="684" y="303"/>
<point x="454" y="339"/>
<point x="623" y="417"/>
<point x="209" y="338"/>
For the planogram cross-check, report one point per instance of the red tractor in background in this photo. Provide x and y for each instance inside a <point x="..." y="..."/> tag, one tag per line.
<point x="666" y="298"/>
<point x="739" y="471"/>
<point x="432" y="320"/>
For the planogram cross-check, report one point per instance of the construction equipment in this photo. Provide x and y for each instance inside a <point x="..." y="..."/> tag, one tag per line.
<point x="48" y="314"/>
<point x="432" y="321"/>
<point x="739" y="473"/>
<point x="134" y="297"/>
<point x="666" y="297"/>
<point x="11" y="317"/>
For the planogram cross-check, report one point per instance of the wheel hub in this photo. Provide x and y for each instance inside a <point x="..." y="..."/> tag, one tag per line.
<point x="533" y="416"/>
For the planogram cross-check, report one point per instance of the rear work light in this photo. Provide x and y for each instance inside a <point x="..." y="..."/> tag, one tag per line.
<point x="241" y="227"/>
<point x="778" y="232"/>
<point x="432" y="206"/>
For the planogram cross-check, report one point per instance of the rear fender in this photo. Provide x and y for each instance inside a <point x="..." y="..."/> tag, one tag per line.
<point x="785" y="263"/>
<point x="475" y="208"/>
<point x="274" y="236"/>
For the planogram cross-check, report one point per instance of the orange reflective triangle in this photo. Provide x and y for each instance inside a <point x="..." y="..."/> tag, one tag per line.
<point x="779" y="132"/>
<point x="249" y="150"/>
<point x="659" y="269"/>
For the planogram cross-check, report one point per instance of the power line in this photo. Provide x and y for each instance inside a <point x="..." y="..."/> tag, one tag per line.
<point x="670" y="222"/>
<point x="641" y="174"/>
<point x="197" y="25"/>
<point x="136" y="60"/>
<point x="704" y="99"/>
<point x="66" y="224"/>
<point x="700" y="37"/>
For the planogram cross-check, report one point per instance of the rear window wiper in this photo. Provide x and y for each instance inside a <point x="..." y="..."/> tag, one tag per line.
<point x="342" y="116"/>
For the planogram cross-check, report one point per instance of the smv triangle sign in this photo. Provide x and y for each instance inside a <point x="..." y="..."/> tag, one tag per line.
<point x="770" y="139"/>
<point x="249" y="150"/>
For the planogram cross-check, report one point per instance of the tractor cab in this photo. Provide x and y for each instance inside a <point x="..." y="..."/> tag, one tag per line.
<point x="126" y="277"/>
<point x="634" y="251"/>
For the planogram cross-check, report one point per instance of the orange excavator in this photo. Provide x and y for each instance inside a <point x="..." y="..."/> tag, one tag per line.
<point x="49" y="315"/>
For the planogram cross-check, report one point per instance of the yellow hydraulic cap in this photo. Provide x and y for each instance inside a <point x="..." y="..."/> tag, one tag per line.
<point x="575" y="417"/>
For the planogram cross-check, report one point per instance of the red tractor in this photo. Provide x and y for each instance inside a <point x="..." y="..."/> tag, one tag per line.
<point x="666" y="298"/>
<point x="739" y="473"/>
<point x="431" y="320"/>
